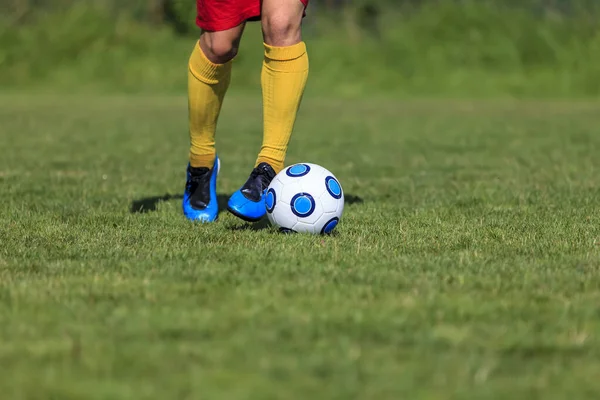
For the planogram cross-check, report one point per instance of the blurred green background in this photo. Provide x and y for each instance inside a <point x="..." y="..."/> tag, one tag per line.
<point x="400" y="48"/>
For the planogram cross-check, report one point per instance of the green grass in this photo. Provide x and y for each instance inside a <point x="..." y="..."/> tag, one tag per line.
<point x="466" y="266"/>
<point x="468" y="49"/>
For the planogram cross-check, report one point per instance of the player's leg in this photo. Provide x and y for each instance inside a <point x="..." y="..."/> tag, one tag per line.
<point x="283" y="77"/>
<point x="209" y="74"/>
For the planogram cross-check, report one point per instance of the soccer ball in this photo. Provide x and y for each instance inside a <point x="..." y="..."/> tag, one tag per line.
<point x="305" y="198"/>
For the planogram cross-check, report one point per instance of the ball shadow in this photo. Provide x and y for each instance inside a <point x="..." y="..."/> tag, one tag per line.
<point x="353" y="199"/>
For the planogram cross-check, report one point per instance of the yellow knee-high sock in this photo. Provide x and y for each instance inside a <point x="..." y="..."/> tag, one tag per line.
<point x="207" y="84"/>
<point x="283" y="78"/>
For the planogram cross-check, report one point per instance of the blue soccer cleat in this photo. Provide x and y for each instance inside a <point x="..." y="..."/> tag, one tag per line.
<point x="200" y="197"/>
<point x="248" y="203"/>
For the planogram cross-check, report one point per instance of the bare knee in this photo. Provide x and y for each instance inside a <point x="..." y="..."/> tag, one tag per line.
<point x="219" y="48"/>
<point x="280" y="29"/>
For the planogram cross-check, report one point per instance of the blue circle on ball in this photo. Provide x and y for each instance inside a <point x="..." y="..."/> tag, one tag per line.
<point x="333" y="187"/>
<point x="270" y="200"/>
<point x="303" y="204"/>
<point x="297" y="170"/>
<point x="330" y="225"/>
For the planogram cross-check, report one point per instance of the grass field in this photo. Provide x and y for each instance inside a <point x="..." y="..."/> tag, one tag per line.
<point x="466" y="266"/>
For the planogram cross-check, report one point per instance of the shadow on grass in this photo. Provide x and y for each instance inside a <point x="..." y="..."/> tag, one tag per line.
<point x="251" y="226"/>
<point x="352" y="199"/>
<point x="149" y="204"/>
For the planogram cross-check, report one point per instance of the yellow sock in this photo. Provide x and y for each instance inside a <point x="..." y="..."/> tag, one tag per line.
<point x="284" y="74"/>
<point x="207" y="84"/>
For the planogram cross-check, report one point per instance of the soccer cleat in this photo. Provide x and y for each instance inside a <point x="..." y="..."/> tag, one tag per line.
<point x="200" y="197"/>
<point x="248" y="203"/>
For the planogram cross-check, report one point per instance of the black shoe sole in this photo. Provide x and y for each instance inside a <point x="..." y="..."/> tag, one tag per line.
<point x="243" y="217"/>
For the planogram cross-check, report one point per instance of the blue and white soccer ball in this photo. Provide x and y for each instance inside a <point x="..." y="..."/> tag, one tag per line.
<point x="305" y="198"/>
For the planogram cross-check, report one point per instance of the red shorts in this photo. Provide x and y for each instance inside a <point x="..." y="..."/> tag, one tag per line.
<point x="220" y="15"/>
